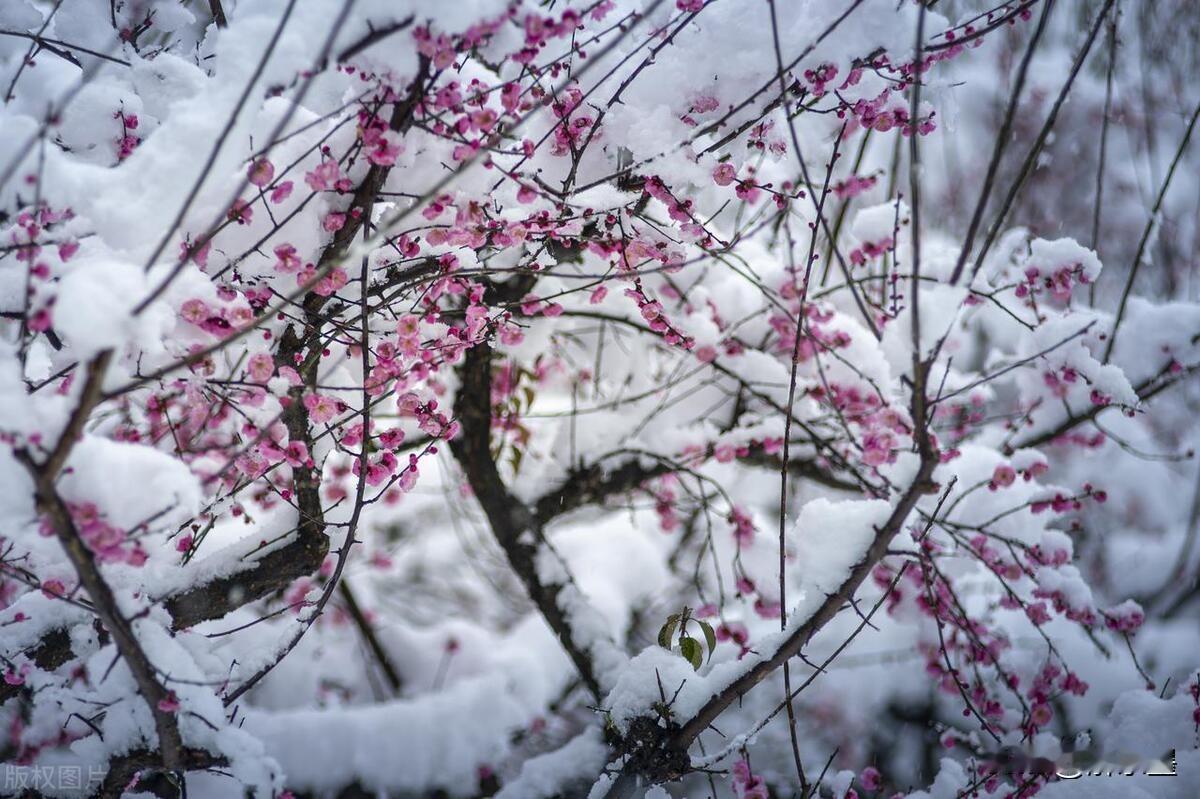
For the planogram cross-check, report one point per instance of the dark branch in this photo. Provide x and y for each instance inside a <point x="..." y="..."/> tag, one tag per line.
<point x="515" y="527"/>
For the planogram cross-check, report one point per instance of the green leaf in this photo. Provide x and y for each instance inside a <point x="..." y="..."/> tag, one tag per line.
<point x="692" y="652"/>
<point x="668" y="631"/>
<point x="710" y="637"/>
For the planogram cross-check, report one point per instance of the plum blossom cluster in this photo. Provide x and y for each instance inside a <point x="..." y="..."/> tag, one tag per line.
<point x="493" y="329"/>
<point x="108" y="542"/>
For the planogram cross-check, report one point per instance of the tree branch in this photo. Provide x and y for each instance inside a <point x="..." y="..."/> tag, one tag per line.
<point x="1145" y="390"/>
<point x="517" y="529"/>
<point x="594" y="484"/>
<point x="105" y="603"/>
